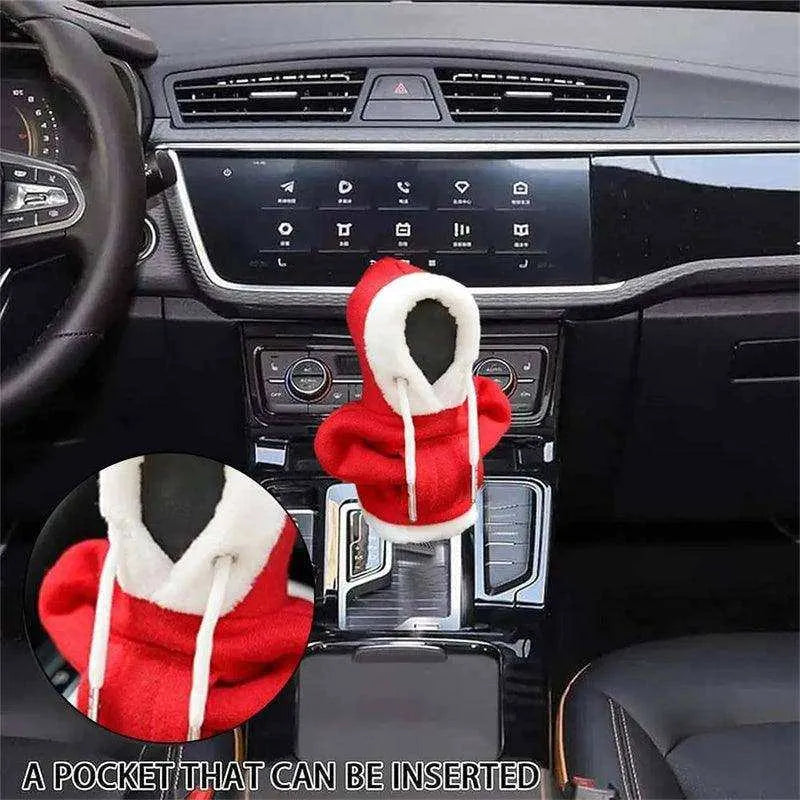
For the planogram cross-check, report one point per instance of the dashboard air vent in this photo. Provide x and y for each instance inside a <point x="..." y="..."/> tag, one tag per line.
<point x="297" y="96"/>
<point x="532" y="97"/>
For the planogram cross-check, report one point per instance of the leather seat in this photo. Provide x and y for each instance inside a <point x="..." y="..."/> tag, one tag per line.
<point x="697" y="717"/>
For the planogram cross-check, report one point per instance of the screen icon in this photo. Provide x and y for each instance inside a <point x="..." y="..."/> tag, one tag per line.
<point x="520" y="189"/>
<point x="461" y="230"/>
<point x="281" y="263"/>
<point x="288" y="187"/>
<point x="343" y="229"/>
<point x="345" y="187"/>
<point x="402" y="230"/>
<point x="524" y="265"/>
<point x="285" y="228"/>
<point x="522" y="229"/>
<point x="404" y="186"/>
<point x="462" y="187"/>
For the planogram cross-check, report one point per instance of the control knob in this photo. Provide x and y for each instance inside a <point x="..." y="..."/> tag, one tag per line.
<point x="308" y="379"/>
<point x="498" y="370"/>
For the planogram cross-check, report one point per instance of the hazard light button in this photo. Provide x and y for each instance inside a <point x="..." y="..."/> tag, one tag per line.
<point x="400" y="87"/>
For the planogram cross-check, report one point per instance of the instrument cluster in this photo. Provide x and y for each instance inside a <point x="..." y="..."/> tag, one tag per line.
<point x="38" y="117"/>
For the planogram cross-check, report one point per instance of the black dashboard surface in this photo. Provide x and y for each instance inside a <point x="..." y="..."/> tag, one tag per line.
<point x="718" y="76"/>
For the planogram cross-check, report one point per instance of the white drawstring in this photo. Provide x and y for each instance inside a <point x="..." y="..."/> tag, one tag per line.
<point x="473" y="436"/>
<point x="98" y="650"/>
<point x="204" y="646"/>
<point x="204" y="643"/>
<point x="409" y="447"/>
<point x="410" y="444"/>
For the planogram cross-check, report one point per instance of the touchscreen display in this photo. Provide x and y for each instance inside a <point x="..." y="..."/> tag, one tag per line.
<point x="319" y="222"/>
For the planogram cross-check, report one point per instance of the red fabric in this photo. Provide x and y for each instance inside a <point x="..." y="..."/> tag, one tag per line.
<point x="363" y="441"/>
<point x="257" y="646"/>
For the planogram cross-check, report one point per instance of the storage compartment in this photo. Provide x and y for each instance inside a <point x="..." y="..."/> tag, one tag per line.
<point x="404" y="699"/>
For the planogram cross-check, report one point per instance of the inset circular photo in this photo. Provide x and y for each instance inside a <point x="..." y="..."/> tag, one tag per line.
<point x="169" y="598"/>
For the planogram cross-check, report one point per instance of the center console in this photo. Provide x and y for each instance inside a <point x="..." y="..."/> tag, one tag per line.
<point x="294" y="379"/>
<point x="416" y="626"/>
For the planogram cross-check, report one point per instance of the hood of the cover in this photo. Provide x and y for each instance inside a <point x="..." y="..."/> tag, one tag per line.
<point x="376" y="316"/>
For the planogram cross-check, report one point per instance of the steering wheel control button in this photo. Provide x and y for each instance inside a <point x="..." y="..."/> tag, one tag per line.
<point x="19" y="220"/>
<point x="19" y="173"/>
<point x="400" y="87"/>
<point x="49" y="177"/>
<point x="58" y="214"/>
<point x="498" y="370"/>
<point x="308" y="379"/>
<point x="33" y="197"/>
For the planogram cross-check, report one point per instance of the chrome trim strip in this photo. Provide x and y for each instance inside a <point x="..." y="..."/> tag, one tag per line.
<point x="576" y="148"/>
<point x="587" y="292"/>
<point x="151" y="241"/>
<point x="9" y="157"/>
<point x="342" y="291"/>
<point x="531" y="590"/>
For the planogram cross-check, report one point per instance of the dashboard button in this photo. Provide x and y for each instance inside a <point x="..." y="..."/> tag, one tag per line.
<point x="280" y="401"/>
<point x="285" y="230"/>
<point x="527" y="365"/>
<point x="523" y="399"/>
<point x="355" y="391"/>
<point x="338" y="394"/>
<point x="345" y="231"/>
<point x="275" y="364"/>
<point x="343" y="191"/>
<point x="281" y="189"/>
<point x="403" y="231"/>
<point x="400" y="87"/>
<point x="276" y="262"/>
<point x="402" y="189"/>
<point x="401" y="111"/>
<point x="515" y="232"/>
<point x="460" y="232"/>
<point x="462" y="189"/>
<point x="18" y="220"/>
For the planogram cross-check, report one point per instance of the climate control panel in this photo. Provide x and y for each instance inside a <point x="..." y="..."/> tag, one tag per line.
<point x="316" y="381"/>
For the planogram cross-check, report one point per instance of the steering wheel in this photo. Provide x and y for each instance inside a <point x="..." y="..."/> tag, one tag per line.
<point x="98" y="214"/>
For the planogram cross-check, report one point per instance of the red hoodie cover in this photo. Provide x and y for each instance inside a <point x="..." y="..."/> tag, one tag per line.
<point x="148" y="654"/>
<point x="413" y="448"/>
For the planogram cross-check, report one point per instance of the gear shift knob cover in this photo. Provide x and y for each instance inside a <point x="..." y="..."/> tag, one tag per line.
<point x="414" y="446"/>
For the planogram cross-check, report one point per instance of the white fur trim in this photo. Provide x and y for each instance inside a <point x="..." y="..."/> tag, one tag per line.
<point x="246" y="524"/>
<point x="300" y="591"/>
<point x="387" y="351"/>
<point x="404" y="534"/>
